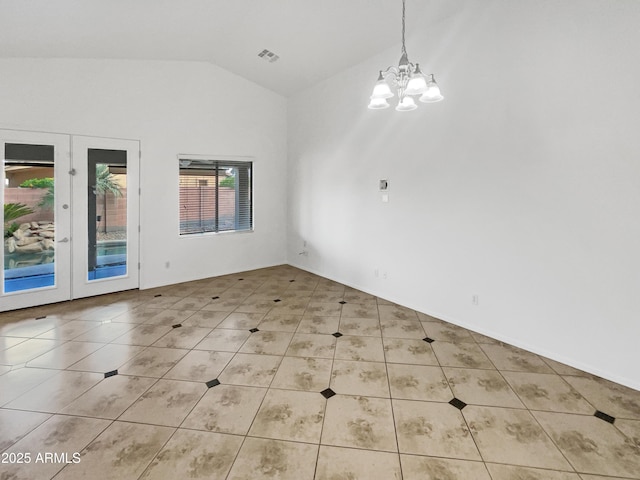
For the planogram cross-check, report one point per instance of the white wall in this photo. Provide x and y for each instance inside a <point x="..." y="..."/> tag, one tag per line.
<point x="172" y="108"/>
<point x="521" y="187"/>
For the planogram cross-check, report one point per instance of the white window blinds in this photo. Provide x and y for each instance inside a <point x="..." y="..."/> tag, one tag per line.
<point x="215" y="196"/>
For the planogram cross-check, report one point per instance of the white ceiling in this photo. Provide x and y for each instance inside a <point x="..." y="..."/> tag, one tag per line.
<point x="315" y="39"/>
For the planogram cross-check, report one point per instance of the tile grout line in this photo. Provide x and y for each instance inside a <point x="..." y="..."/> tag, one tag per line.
<point x="326" y="402"/>
<point x="393" y="413"/>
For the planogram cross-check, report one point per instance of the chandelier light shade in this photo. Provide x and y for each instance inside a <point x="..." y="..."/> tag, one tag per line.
<point x="407" y="79"/>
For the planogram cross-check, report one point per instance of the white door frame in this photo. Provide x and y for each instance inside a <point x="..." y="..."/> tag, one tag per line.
<point x="61" y="290"/>
<point x="71" y="211"/>
<point x="81" y="286"/>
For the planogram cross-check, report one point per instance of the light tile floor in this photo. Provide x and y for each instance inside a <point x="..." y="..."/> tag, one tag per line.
<point x="280" y="374"/>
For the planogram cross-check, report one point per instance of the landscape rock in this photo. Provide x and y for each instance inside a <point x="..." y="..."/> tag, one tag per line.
<point x="31" y="237"/>
<point x="27" y="241"/>
<point x="32" y="248"/>
<point x="11" y="244"/>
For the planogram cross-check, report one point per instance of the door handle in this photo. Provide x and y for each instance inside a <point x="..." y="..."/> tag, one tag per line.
<point x="64" y="240"/>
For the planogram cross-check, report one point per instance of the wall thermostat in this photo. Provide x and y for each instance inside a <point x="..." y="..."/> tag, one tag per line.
<point x="384" y="185"/>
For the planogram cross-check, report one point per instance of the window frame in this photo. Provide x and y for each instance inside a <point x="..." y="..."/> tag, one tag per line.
<point x="213" y="160"/>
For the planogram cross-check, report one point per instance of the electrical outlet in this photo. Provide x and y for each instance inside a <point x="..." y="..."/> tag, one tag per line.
<point x="384" y="275"/>
<point x="167" y="264"/>
<point x="475" y="299"/>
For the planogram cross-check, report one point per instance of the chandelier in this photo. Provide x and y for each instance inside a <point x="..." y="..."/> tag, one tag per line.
<point x="408" y="80"/>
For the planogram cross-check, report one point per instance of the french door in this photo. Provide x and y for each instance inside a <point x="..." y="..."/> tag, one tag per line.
<point x="70" y="217"/>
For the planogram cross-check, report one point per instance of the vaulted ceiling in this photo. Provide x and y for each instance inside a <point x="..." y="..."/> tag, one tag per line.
<point x="314" y="38"/>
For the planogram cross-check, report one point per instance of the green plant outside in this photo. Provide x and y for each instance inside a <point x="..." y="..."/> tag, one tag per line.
<point x="37" y="183"/>
<point x="228" y="182"/>
<point x="47" y="201"/>
<point x="105" y="181"/>
<point x="9" y="229"/>
<point x="13" y="211"/>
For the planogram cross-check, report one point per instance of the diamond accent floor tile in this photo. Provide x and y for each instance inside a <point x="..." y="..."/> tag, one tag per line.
<point x="456" y="402"/>
<point x="327" y="393"/>
<point x="604" y="416"/>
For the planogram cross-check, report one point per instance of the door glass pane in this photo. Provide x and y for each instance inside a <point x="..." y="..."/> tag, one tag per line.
<point x="107" y="189"/>
<point x="29" y="223"/>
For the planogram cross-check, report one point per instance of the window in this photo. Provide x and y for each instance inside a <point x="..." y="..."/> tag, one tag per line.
<point x="215" y="196"/>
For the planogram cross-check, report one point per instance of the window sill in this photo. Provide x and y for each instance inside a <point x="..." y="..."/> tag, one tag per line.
<point x="215" y="234"/>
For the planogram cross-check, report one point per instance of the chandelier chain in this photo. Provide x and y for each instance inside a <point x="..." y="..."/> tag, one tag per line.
<point x="404" y="50"/>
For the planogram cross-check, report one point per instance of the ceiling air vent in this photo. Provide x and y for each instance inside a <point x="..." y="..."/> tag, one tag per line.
<point x="268" y="56"/>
